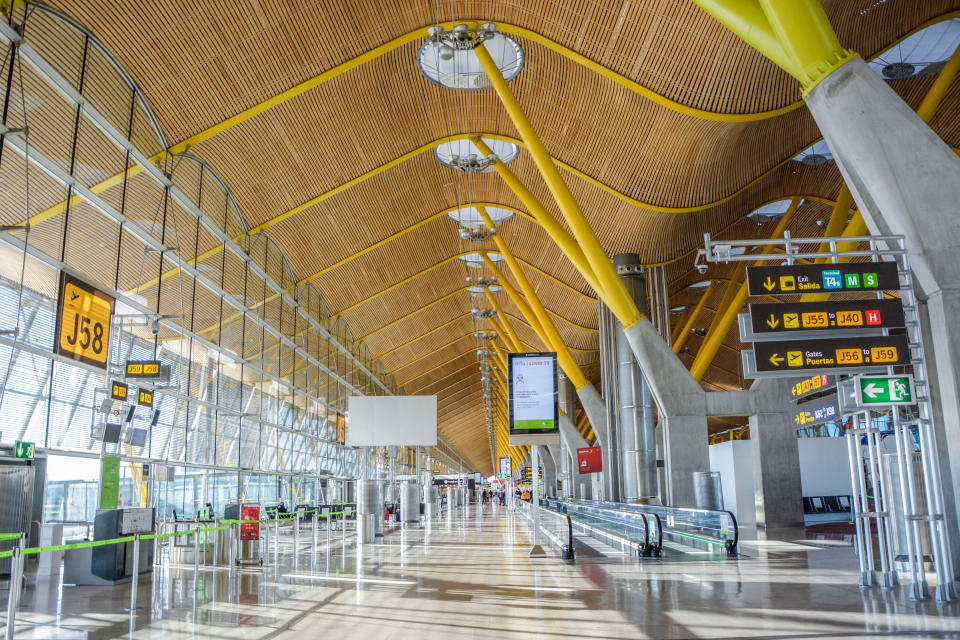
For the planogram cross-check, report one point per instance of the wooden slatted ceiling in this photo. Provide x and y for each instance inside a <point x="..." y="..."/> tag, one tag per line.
<point x="232" y="55"/>
<point x="254" y="51"/>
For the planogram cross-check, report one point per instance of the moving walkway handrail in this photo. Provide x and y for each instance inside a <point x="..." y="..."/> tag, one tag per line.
<point x="712" y="528"/>
<point x="639" y="529"/>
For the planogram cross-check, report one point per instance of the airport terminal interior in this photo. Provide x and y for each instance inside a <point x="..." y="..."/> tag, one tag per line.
<point x="479" y="319"/>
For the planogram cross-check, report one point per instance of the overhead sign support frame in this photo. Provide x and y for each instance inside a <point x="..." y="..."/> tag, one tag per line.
<point x="889" y="256"/>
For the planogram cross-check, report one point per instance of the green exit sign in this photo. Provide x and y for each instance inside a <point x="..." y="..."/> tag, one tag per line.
<point x="885" y="390"/>
<point x="502" y="476"/>
<point x="24" y="450"/>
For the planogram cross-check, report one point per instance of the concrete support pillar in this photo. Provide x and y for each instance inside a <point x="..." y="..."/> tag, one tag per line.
<point x="906" y="181"/>
<point x="549" y="471"/>
<point x="683" y="417"/>
<point x="776" y="456"/>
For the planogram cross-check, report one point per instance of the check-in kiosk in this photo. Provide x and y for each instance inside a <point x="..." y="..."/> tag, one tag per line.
<point x="114" y="562"/>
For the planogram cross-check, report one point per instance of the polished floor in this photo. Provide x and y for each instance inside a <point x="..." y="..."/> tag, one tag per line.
<point x="467" y="575"/>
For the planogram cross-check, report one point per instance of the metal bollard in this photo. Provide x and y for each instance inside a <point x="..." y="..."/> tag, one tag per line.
<point x="316" y="517"/>
<point x="136" y="575"/>
<point x="13" y="595"/>
<point x="234" y="545"/>
<point x="276" y="537"/>
<point x="196" y="559"/>
<point x="296" y="534"/>
<point x="216" y="538"/>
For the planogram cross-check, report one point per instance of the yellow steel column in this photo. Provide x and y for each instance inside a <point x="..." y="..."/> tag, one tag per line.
<point x="540" y="321"/>
<point x="794" y="34"/>
<point x="500" y="357"/>
<point x="503" y="317"/>
<point x="807" y="38"/>
<point x="685" y="332"/>
<point x="728" y="316"/>
<point x="838" y="218"/>
<point x="507" y="340"/>
<point x="612" y="290"/>
<point x="681" y="323"/>
<point x="733" y="286"/>
<point x="543" y="217"/>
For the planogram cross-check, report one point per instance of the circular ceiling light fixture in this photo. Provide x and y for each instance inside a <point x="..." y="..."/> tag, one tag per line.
<point x="476" y="261"/>
<point x="448" y="58"/>
<point x="470" y="218"/>
<point x="478" y="291"/>
<point x="462" y="155"/>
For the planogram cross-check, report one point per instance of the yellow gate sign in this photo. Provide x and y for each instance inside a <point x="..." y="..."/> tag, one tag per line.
<point x="83" y="322"/>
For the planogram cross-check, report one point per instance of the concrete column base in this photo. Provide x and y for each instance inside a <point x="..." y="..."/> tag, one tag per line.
<point x="776" y="456"/>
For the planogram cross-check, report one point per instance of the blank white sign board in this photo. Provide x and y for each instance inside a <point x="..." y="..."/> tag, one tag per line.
<point x="377" y="421"/>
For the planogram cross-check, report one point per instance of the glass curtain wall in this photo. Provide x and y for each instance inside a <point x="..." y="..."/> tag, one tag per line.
<point x="258" y="371"/>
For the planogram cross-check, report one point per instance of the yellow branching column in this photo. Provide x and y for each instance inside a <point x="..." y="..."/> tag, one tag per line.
<point x="681" y="400"/>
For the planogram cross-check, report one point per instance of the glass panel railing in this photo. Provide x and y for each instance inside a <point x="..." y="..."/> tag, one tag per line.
<point x="625" y="527"/>
<point x="699" y="528"/>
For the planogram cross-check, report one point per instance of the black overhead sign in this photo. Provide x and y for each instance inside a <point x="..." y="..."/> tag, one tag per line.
<point x="799" y="279"/>
<point x="815" y="316"/>
<point x="810" y="355"/>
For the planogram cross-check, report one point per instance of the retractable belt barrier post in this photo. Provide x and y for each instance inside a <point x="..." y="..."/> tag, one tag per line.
<point x="20" y="551"/>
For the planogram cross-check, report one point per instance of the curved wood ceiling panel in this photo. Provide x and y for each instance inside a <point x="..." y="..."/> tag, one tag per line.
<point x="356" y="147"/>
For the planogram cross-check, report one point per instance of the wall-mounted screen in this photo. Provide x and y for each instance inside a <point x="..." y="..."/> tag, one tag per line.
<point x="533" y="395"/>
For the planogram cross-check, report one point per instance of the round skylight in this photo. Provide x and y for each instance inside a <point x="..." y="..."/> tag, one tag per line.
<point x="476" y="261"/>
<point x="817" y="153"/>
<point x="921" y="53"/>
<point x="454" y="152"/>
<point x="771" y="211"/>
<point x="469" y="216"/>
<point x="451" y="62"/>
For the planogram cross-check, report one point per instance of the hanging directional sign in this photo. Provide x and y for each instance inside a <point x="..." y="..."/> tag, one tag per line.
<point x="817" y="412"/>
<point x="145" y="398"/>
<point x="803" y="355"/>
<point x="143" y="369"/>
<point x="826" y="316"/>
<point x="809" y="385"/>
<point x="118" y="390"/>
<point x="885" y="390"/>
<point x="83" y="322"/>
<point x="799" y="279"/>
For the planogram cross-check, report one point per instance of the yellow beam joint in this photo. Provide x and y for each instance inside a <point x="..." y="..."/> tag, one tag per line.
<point x="688" y="326"/>
<point x="746" y="19"/>
<point x="807" y="38"/>
<point x="728" y="314"/>
<point x="611" y="288"/>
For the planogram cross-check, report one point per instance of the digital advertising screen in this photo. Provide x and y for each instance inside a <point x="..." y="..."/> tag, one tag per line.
<point x="533" y="394"/>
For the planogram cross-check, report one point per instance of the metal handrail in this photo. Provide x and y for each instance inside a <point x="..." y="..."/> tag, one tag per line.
<point x="697" y="527"/>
